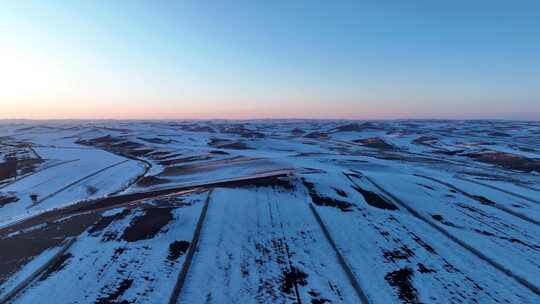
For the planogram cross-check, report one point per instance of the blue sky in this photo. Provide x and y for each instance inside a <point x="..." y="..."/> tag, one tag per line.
<point x="258" y="59"/>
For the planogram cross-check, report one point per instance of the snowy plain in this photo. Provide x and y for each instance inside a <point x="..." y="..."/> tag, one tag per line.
<point x="270" y="212"/>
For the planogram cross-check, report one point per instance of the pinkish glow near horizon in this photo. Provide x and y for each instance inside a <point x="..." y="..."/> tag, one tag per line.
<point x="307" y="59"/>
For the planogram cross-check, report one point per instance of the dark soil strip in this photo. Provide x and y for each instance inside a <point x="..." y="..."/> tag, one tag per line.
<point x="532" y="200"/>
<point x="507" y="161"/>
<point x="401" y="279"/>
<point x="235" y="146"/>
<point x="45" y="268"/>
<point x="111" y="298"/>
<point x="7" y="199"/>
<point x="148" y="225"/>
<point x="271" y="181"/>
<point x="326" y="201"/>
<point x="523" y="281"/>
<point x="38" y="170"/>
<point x="189" y="159"/>
<point x="151" y="180"/>
<point x="341" y="259"/>
<point x="484" y="201"/>
<point x="127" y="198"/>
<point x="105" y="221"/>
<point x="119" y="200"/>
<point x="522" y="185"/>
<point x="291" y="280"/>
<point x="191" y="252"/>
<point x="8" y="168"/>
<point x="373" y="199"/>
<point x="17" y="250"/>
<point x="56" y="267"/>
<point x="375" y="143"/>
<point x="176" y="250"/>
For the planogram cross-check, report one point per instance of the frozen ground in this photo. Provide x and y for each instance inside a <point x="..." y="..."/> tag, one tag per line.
<point x="270" y="212"/>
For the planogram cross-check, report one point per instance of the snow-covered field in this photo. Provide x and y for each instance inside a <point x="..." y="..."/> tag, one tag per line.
<point x="270" y="212"/>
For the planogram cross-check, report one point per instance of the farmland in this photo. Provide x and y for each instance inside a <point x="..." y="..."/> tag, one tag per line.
<point x="280" y="211"/>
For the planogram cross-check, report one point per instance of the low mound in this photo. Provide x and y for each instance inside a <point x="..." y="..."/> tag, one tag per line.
<point x="355" y="127"/>
<point x="316" y="135"/>
<point x="235" y="146"/>
<point x="197" y="128"/>
<point x="242" y="131"/>
<point x="151" y="180"/>
<point x="375" y="143"/>
<point x="507" y="160"/>
<point x="156" y="140"/>
<point x="499" y="134"/>
<point x="297" y="132"/>
<point x="423" y="140"/>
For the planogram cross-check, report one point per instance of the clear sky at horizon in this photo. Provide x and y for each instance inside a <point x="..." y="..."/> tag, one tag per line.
<point x="270" y="59"/>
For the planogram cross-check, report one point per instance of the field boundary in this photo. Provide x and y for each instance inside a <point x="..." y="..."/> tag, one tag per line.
<point x="341" y="259"/>
<point x="32" y="277"/>
<point x="78" y="181"/>
<point x="519" y="279"/>
<point x="531" y="200"/>
<point x="191" y="252"/>
<point x="496" y="205"/>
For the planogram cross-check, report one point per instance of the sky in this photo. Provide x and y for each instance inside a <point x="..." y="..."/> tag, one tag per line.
<point x="270" y="59"/>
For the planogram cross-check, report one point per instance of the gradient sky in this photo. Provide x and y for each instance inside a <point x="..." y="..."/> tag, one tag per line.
<point x="270" y="59"/>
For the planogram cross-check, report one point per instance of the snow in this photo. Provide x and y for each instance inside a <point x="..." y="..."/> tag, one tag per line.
<point x="98" y="265"/>
<point x="27" y="270"/>
<point x="290" y="218"/>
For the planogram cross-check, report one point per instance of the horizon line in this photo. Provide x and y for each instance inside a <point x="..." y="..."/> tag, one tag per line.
<point x="270" y="119"/>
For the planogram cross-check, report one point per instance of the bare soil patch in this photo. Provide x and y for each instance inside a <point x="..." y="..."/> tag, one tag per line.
<point x="424" y="140"/>
<point x="112" y="297"/>
<point x="18" y="249"/>
<point x="239" y="145"/>
<point x="7" y="199"/>
<point x="272" y="181"/>
<point x="321" y="200"/>
<point x="182" y="160"/>
<point x="56" y="267"/>
<point x="375" y="200"/>
<point x="148" y="181"/>
<point x="176" y="250"/>
<point x="507" y="160"/>
<point x="402" y="280"/>
<point x="375" y="143"/>
<point x="316" y="135"/>
<point x="148" y="225"/>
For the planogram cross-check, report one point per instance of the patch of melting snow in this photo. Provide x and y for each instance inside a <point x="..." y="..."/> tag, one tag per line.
<point x="36" y="227"/>
<point x="112" y="212"/>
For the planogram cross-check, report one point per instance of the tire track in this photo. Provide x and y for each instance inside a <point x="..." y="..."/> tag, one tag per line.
<point x="287" y="252"/>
